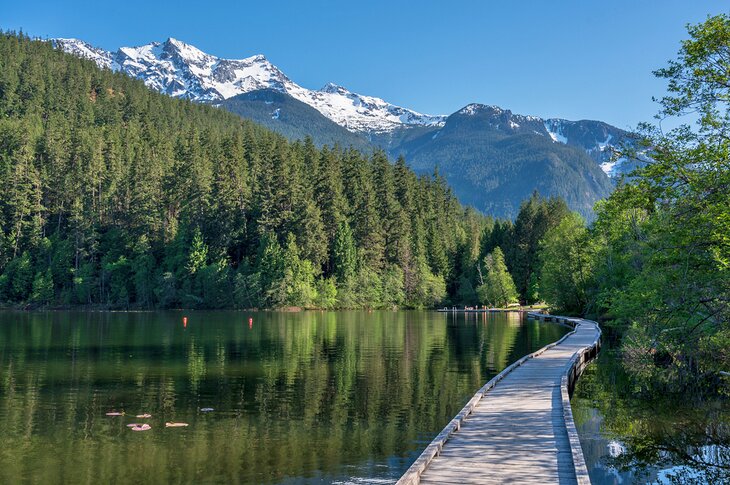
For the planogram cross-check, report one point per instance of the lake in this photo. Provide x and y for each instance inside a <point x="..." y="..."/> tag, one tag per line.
<point x="629" y="437"/>
<point x="309" y="397"/>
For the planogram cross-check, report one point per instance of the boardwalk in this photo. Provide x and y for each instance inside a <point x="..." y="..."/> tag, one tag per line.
<point x="519" y="427"/>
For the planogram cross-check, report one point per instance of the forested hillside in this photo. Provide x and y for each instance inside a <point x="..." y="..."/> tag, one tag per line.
<point x="114" y="195"/>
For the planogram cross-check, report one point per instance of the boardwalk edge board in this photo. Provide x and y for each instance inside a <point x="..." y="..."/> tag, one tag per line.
<point x="573" y="370"/>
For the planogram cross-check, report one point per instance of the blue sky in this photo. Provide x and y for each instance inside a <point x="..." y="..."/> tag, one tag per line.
<point x="562" y="58"/>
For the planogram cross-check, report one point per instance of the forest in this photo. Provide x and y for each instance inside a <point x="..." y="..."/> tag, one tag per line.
<point x="114" y="196"/>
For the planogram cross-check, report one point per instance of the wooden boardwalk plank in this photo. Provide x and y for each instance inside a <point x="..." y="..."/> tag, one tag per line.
<point x="514" y="429"/>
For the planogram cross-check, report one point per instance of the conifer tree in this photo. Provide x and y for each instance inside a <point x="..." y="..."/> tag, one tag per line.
<point x="344" y="253"/>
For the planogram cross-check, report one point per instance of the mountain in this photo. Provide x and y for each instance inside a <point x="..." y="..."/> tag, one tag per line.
<point x="183" y="71"/>
<point x="485" y="152"/>
<point x="596" y="138"/>
<point x="494" y="160"/>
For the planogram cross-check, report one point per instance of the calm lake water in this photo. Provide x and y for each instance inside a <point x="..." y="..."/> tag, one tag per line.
<point x="312" y="397"/>
<point x="630" y="438"/>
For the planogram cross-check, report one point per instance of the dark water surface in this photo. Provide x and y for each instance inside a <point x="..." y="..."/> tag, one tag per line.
<point x="297" y="397"/>
<point x="628" y="437"/>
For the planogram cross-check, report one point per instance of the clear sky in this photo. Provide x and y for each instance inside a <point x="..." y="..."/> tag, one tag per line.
<point x="574" y="59"/>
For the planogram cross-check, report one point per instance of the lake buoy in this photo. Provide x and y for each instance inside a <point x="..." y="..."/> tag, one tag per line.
<point x="250" y="322"/>
<point x="141" y="427"/>
<point x="185" y="322"/>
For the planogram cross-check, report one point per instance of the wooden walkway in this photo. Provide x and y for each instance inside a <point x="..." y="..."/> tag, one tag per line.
<point x="519" y="427"/>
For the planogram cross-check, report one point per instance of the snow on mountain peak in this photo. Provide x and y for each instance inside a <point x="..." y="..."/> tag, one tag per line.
<point x="182" y="70"/>
<point x="87" y="51"/>
<point x="470" y="109"/>
<point x="474" y="108"/>
<point x="333" y="88"/>
<point x="554" y="128"/>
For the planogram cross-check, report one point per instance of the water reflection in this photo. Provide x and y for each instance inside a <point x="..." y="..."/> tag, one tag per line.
<point x="628" y="439"/>
<point x="307" y="397"/>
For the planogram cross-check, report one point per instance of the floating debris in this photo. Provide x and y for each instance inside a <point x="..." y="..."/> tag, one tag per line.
<point x="141" y="427"/>
<point x="175" y="425"/>
<point x="145" y="415"/>
<point x="115" y="413"/>
<point x="206" y="410"/>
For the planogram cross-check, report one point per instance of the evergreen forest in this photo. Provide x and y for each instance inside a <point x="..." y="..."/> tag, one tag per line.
<point x="114" y="196"/>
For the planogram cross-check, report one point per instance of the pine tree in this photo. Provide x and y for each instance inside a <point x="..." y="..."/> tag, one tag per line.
<point x="344" y="253"/>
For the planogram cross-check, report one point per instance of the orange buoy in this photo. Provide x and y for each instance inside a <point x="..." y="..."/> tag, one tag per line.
<point x="250" y="323"/>
<point x="185" y="322"/>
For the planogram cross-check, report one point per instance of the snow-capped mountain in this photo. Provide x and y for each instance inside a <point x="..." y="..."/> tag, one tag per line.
<point x="182" y="70"/>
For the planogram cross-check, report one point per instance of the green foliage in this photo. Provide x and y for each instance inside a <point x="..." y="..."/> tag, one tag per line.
<point x="344" y="253"/>
<point x="675" y="219"/>
<point x="393" y="293"/>
<point x="298" y="277"/>
<point x="537" y="217"/>
<point x="498" y="289"/>
<point x="198" y="253"/>
<point x="84" y="284"/>
<point x="42" y="292"/>
<point x="17" y="278"/>
<point x="519" y="242"/>
<point x="656" y="261"/>
<point x="567" y="266"/>
<point x="326" y="293"/>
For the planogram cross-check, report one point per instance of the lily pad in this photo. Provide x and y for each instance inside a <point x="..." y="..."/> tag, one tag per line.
<point x="175" y="425"/>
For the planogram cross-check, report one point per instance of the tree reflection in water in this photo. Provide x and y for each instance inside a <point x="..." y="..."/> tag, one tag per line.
<point x="628" y="438"/>
<point x="296" y="397"/>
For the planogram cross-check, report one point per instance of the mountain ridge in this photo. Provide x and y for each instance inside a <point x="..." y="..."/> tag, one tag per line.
<point x="182" y="70"/>
<point x="482" y="149"/>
